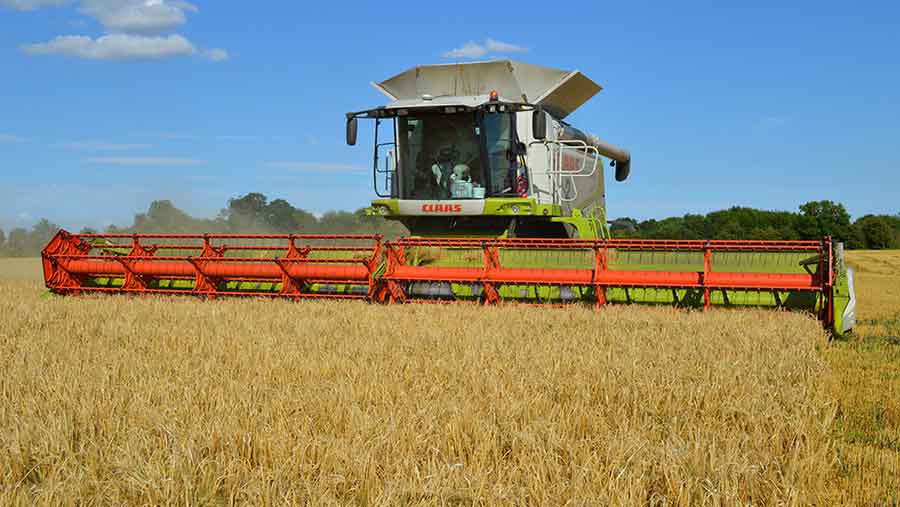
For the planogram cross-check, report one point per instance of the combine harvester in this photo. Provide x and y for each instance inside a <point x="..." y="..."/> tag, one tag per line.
<point x="505" y="202"/>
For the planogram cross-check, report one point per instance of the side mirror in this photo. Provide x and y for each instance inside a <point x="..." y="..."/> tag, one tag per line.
<point x="539" y="124"/>
<point x="351" y="131"/>
<point x="623" y="169"/>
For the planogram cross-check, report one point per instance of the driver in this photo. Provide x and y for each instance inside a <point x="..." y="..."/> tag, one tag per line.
<point x="445" y="158"/>
<point x="444" y="155"/>
<point x="456" y="147"/>
<point x="433" y="166"/>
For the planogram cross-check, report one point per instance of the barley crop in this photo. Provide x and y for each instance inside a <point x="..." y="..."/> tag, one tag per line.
<point x="146" y="401"/>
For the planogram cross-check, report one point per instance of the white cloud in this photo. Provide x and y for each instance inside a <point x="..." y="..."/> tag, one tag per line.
<point x="30" y="5"/>
<point x="138" y="16"/>
<point x="114" y="47"/>
<point x="105" y="146"/>
<point x="473" y="49"/>
<point x="146" y="161"/>
<point x="469" y="50"/>
<point x="314" y="166"/>
<point x="10" y="138"/>
<point x="496" y="46"/>
<point x="136" y="30"/>
<point x="217" y="55"/>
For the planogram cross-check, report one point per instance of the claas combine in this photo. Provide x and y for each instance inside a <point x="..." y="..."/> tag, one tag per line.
<point x="505" y="202"/>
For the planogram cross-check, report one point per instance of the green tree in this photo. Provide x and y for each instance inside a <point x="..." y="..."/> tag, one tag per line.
<point x="731" y="230"/>
<point x="625" y="227"/>
<point x="2" y="241"/>
<point x="340" y="221"/>
<point x="765" y="232"/>
<point x="305" y="221"/>
<point x="857" y="238"/>
<point x="41" y="234"/>
<point x="878" y="232"/>
<point x="163" y="216"/>
<point x="247" y="213"/>
<point x="695" y="227"/>
<point x="824" y="218"/>
<point x="17" y="243"/>
<point x="253" y="203"/>
<point x="281" y="216"/>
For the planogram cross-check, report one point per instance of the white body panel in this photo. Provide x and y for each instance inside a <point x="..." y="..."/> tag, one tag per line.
<point x="565" y="173"/>
<point x="557" y="90"/>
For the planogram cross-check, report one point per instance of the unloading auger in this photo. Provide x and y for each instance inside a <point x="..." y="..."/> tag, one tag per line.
<point x="505" y="201"/>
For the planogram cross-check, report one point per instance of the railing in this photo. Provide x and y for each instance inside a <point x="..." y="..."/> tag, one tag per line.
<point x="488" y="265"/>
<point x="563" y="185"/>
<point x="389" y="170"/>
<point x="210" y="265"/>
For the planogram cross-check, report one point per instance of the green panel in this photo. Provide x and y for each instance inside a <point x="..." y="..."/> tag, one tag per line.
<point x="519" y="206"/>
<point x="841" y="300"/>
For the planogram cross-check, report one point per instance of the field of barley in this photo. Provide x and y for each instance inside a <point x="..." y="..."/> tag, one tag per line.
<point x="149" y="401"/>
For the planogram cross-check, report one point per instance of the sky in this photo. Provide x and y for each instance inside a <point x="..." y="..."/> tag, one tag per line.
<point x="106" y="105"/>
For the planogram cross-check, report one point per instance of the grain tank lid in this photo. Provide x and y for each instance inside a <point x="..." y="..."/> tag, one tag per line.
<point x="560" y="91"/>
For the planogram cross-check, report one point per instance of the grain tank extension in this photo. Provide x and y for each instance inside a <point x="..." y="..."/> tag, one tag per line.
<point x="505" y="201"/>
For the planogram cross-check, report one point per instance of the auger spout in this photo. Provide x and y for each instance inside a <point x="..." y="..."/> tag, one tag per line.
<point x="607" y="149"/>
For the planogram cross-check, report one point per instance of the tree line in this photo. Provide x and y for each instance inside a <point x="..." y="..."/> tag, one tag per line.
<point x="814" y="220"/>
<point x="255" y="213"/>
<point x="252" y="213"/>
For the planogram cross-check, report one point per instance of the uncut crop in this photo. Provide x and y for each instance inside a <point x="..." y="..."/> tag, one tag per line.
<point x="116" y="400"/>
<point x="865" y="368"/>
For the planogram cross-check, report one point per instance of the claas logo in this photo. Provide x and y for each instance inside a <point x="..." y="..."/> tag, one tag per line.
<point x="442" y="208"/>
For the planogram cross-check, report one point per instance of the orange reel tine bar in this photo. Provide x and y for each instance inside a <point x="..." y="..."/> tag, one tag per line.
<point x="73" y="262"/>
<point x="599" y="276"/>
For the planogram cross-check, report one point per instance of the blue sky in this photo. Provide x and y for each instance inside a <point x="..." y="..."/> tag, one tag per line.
<point x="106" y="105"/>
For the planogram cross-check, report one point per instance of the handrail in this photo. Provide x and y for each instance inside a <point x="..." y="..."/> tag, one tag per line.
<point x="554" y="163"/>
<point x="389" y="172"/>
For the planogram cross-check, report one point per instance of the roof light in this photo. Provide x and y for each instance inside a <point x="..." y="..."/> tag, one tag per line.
<point x="494" y="96"/>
